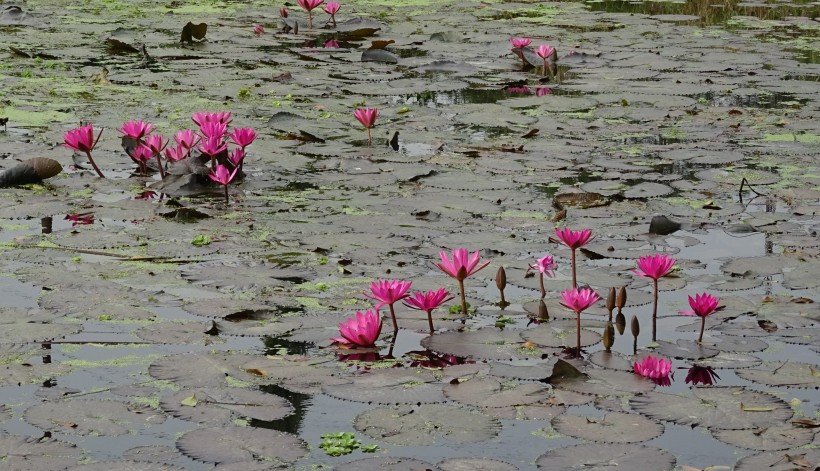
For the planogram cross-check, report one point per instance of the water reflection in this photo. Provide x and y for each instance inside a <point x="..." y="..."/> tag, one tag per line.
<point x="701" y="375"/>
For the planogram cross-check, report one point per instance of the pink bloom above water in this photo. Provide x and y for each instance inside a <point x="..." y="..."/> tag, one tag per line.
<point x="362" y="330"/>
<point x="367" y="116"/>
<point x="518" y="43"/>
<point x="331" y="8"/>
<point x="212" y="147"/>
<point x="654" y="266"/>
<point x="545" y="265"/>
<point x="543" y="91"/>
<point x="141" y="154"/>
<point x="283" y="12"/>
<point x="579" y="300"/>
<point x="702" y="305"/>
<point x="701" y="375"/>
<point x="213" y="129"/>
<point x="186" y="138"/>
<point x="573" y="239"/>
<point x="462" y="264"/>
<point x="243" y="137"/>
<point x="156" y="143"/>
<point x="176" y="153"/>
<point x="331" y="44"/>
<point x="259" y="30"/>
<point x="237" y="156"/>
<point x="309" y="5"/>
<point x="81" y="139"/>
<point x="221" y="175"/>
<point x="388" y="291"/>
<point x="136" y="129"/>
<point x="429" y="300"/>
<point x="203" y="117"/>
<point x="653" y="368"/>
<point x="544" y="51"/>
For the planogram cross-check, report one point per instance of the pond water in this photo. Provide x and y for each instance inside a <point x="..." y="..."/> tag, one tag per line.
<point x="148" y="324"/>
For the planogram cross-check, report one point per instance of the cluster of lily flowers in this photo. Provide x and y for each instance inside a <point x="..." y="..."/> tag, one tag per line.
<point x="544" y="51"/>
<point x="331" y="8"/>
<point x="143" y="145"/>
<point x="364" y="329"/>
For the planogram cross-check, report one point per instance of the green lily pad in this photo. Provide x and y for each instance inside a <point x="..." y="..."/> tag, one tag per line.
<point x="613" y="427"/>
<point x="600" y="457"/>
<point x="426" y="425"/>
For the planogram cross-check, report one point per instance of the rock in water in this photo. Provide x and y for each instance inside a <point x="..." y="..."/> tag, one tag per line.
<point x="662" y="225"/>
<point x="30" y="171"/>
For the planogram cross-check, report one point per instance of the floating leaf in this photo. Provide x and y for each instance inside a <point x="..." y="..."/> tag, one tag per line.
<point x="779" y="437"/>
<point x="25" y="453"/>
<point x="191" y="31"/>
<point x="125" y="466"/>
<point x="394" y="386"/>
<point x="613" y="427"/>
<point x="218" y="406"/>
<point x="794" y="459"/>
<point x="790" y="374"/>
<point x="489" y="392"/>
<point x="236" y="444"/>
<point x="189" y="401"/>
<point x="600" y="457"/>
<point x="426" y="425"/>
<point x="92" y="417"/>
<point x="474" y="464"/>
<point x="385" y="464"/>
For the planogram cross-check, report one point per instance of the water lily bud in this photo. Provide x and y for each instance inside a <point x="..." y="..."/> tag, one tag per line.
<point x="610" y="300"/>
<point x="635" y="326"/>
<point x="501" y="278"/>
<point x="609" y="336"/>
<point x="620" y="323"/>
<point x="620" y="301"/>
<point x="543" y="313"/>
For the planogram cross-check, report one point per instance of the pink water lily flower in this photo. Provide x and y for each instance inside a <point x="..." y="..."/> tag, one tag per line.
<point x="367" y="116"/>
<point x="655" y="267"/>
<point x="186" y="138"/>
<point x="283" y="12"/>
<point x="176" y="153"/>
<point x="701" y="375"/>
<point x="243" y="137"/>
<point x="141" y="154"/>
<point x="543" y="91"/>
<point x="545" y="51"/>
<point x="203" y="117"/>
<point x="545" y="266"/>
<point x="237" y="156"/>
<point x="259" y="30"/>
<point x="428" y="302"/>
<point x="702" y="305"/>
<point x="82" y="139"/>
<point x="653" y="367"/>
<point x="578" y="301"/>
<point x="212" y="148"/>
<point x="157" y="143"/>
<point x="518" y="43"/>
<point x="388" y="292"/>
<point x="331" y="8"/>
<point x="136" y="129"/>
<point x="362" y="330"/>
<point x="332" y="44"/>
<point x="213" y="130"/>
<point x="222" y="176"/>
<point x="460" y="267"/>
<point x="574" y="240"/>
<point x="309" y="5"/>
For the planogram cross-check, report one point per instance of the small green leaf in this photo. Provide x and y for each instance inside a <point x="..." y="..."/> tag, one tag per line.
<point x="189" y="401"/>
<point x="201" y="239"/>
<point x="369" y="448"/>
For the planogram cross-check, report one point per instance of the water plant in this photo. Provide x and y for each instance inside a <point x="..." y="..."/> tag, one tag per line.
<point x="362" y="330"/>
<point x="309" y="5"/>
<point x="331" y="8"/>
<point x="82" y="139"/>
<point x="389" y="292"/>
<point x="654" y="267"/>
<point x="223" y="176"/>
<point x="573" y="240"/>
<point x="702" y="305"/>
<point x="461" y="266"/>
<point x="653" y="367"/>
<point x="545" y="267"/>
<point x="701" y="375"/>
<point x="545" y="51"/>
<point x="343" y="443"/>
<point x="258" y="30"/>
<point x="428" y="302"/>
<point x="578" y="301"/>
<point x="367" y="116"/>
<point x="518" y="44"/>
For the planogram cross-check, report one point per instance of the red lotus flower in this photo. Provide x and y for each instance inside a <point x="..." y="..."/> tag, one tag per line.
<point x="186" y="138"/>
<point x="518" y="43"/>
<point x="701" y="375"/>
<point x="331" y="8"/>
<point x="460" y="267"/>
<point x="213" y="130"/>
<point x="702" y="305"/>
<point x="283" y="12"/>
<point x="545" y="51"/>
<point x="428" y="302"/>
<point x="203" y="117"/>
<point x="243" y="137"/>
<point x="309" y="5"/>
<point x="156" y="143"/>
<point x="141" y="154"/>
<point x="237" y="156"/>
<point x="82" y="139"/>
<point x="388" y="292"/>
<point x="654" y="266"/>
<point x="578" y="301"/>
<point x="136" y="129"/>
<point x="362" y="330"/>
<point x="367" y="116"/>
<point x="573" y="240"/>
<point x="222" y="176"/>
<point x="545" y="266"/>
<point x="652" y="367"/>
<point x="212" y="147"/>
<point x="259" y="30"/>
<point x="332" y="44"/>
<point x="175" y="154"/>
<point x="543" y="91"/>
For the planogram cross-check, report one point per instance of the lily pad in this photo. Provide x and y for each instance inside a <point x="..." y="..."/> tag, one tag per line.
<point x="779" y="437"/>
<point x="789" y="374"/>
<point x="793" y="459"/>
<point x="240" y="276"/>
<point x="489" y="392"/>
<point x="551" y="335"/>
<point x="125" y="466"/>
<point x="219" y="406"/>
<point x="426" y="425"/>
<point x="475" y="464"/>
<point x="236" y="444"/>
<point x="394" y="386"/>
<point x="485" y="344"/>
<point x="36" y="454"/>
<point x="685" y="350"/>
<point x="600" y="457"/>
<point x="92" y="417"/>
<point x="613" y="427"/>
<point x="729" y="408"/>
<point x="386" y="464"/>
<point x="606" y="382"/>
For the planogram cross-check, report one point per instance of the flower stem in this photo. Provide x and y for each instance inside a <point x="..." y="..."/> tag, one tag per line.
<point x="702" y="326"/>
<point x="655" y="311"/>
<point x="310" y="19"/>
<point x="463" y="297"/>
<point x="544" y="72"/>
<point x="574" y="282"/>
<point x="578" y="334"/>
<point x="541" y="283"/>
<point x="393" y="318"/>
<point x="227" y="200"/>
<point x="161" y="170"/>
<point x="430" y="320"/>
<point x="94" y="164"/>
<point x="369" y="138"/>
